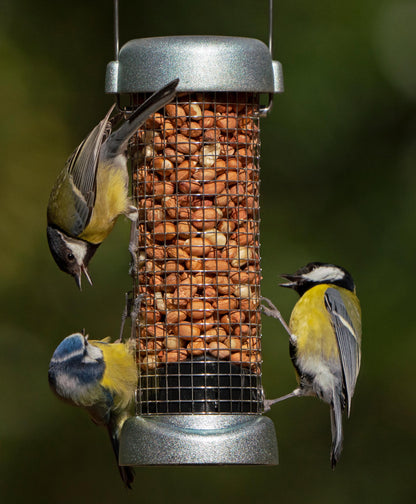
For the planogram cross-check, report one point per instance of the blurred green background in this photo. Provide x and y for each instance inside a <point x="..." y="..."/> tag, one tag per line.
<point x="338" y="185"/>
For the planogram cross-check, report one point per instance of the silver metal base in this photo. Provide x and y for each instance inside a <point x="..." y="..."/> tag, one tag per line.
<point x="198" y="440"/>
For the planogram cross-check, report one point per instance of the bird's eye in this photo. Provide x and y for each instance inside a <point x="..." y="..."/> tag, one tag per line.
<point x="70" y="257"/>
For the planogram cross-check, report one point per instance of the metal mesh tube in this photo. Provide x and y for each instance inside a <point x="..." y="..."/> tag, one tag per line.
<point x="196" y="184"/>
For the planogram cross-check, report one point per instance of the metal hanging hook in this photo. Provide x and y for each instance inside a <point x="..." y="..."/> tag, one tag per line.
<point x="263" y="111"/>
<point x="119" y="107"/>
<point x="271" y="27"/>
<point x="116" y="32"/>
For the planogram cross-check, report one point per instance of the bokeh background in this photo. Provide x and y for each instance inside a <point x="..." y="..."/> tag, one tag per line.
<point x="338" y="185"/>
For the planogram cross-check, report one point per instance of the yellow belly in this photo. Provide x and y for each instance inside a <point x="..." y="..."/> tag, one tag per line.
<point x="111" y="201"/>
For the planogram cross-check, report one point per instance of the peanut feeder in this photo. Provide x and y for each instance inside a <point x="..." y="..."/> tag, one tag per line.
<point x="195" y="176"/>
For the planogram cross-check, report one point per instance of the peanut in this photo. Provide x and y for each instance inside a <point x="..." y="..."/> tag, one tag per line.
<point x="209" y="154"/>
<point x="219" y="350"/>
<point x="164" y="231"/>
<point x="198" y="309"/>
<point x="193" y="110"/>
<point x="215" y="238"/>
<point x="195" y="182"/>
<point x="187" y="330"/>
<point x="192" y="129"/>
<point x="172" y="355"/>
<point x="204" y="174"/>
<point x="204" y="218"/>
<point x="196" y="346"/>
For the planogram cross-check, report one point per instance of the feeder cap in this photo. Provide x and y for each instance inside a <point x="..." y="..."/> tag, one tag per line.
<point x="202" y="63"/>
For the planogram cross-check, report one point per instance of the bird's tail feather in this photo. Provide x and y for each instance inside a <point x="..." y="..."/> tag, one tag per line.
<point x="126" y="472"/>
<point x="336" y="430"/>
<point x="117" y="143"/>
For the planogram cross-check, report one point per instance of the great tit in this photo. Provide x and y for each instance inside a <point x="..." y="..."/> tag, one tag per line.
<point x="102" y="378"/>
<point x="324" y="340"/>
<point x="92" y="189"/>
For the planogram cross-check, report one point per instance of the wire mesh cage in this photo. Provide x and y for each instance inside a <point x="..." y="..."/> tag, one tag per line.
<point x="196" y="184"/>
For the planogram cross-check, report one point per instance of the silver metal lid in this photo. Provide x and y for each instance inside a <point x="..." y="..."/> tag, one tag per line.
<point x="202" y="63"/>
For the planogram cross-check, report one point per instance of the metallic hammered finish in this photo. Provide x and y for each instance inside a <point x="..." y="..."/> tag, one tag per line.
<point x="198" y="439"/>
<point x="202" y="63"/>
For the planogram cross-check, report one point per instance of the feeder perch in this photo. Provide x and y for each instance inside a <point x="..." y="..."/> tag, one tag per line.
<point x="195" y="178"/>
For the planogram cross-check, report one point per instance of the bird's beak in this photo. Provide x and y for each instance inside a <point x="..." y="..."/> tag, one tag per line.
<point x="78" y="280"/>
<point x="85" y="271"/>
<point x="293" y="281"/>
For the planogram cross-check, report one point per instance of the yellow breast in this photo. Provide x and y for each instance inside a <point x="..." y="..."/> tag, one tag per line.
<point x="311" y="324"/>
<point x="120" y="375"/>
<point x="111" y="201"/>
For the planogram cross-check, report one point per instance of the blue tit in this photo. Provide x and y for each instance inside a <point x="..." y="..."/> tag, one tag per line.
<point x="324" y="340"/>
<point x="92" y="189"/>
<point x="102" y="378"/>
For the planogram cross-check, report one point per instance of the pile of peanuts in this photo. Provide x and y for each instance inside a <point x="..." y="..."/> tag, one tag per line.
<point x="196" y="185"/>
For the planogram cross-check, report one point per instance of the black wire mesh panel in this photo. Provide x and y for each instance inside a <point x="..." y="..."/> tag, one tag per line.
<point x="196" y="184"/>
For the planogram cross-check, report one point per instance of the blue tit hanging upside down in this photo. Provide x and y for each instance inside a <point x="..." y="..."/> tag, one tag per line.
<point x="92" y="189"/>
<point x="324" y="340"/>
<point x="102" y="378"/>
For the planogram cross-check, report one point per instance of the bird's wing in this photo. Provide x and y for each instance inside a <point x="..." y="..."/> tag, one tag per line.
<point x="101" y="403"/>
<point x="345" y="317"/>
<point x="82" y="166"/>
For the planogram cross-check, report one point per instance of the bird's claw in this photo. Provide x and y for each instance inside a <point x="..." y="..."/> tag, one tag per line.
<point x="271" y="310"/>
<point x="132" y="213"/>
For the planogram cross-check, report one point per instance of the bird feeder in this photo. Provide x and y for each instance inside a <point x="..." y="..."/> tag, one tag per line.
<point x="196" y="284"/>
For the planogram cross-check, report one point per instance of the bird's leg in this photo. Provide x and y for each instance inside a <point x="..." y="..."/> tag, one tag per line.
<point x="133" y="248"/>
<point x="124" y="315"/>
<point x="272" y="311"/>
<point x="268" y="403"/>
<point x="133" y="214"/>
<point x="131" y="309"/>
<point x="135" y="312"/>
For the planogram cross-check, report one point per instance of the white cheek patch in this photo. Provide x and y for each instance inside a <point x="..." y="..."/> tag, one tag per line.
<point x="324" y="273"/>
<point x="93" y="354"/>
<point x="78" y="248"/>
